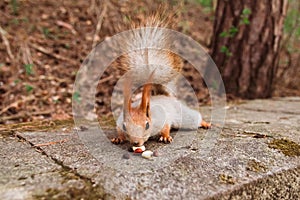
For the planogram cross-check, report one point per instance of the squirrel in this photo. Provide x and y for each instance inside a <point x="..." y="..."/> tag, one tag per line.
<point x="147" y="47"/>
<point x="141" y="120"/>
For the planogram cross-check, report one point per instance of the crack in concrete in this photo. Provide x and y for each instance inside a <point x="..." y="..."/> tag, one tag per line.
<point x="90" y="186"/>
<point x="270" y="111"/>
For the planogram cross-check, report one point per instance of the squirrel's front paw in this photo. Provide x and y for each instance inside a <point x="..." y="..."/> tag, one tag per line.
<point x="117" y="140"/>
<point x="167" y="139"/>
<point x="205" y="125"/>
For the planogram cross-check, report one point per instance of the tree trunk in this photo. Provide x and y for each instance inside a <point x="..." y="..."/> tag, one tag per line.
<point x="245" y="45"/>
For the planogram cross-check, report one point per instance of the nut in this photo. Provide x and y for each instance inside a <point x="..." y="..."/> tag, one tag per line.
<point x="147" y="154"/>
<point x="138" y="150"/>
<point x="143" y="148"/>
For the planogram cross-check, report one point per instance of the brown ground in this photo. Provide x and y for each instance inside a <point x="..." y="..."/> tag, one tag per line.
<point x="56" y="36"/>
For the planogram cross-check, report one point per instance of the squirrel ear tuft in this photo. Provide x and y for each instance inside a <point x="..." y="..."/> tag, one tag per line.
<point x="145" y="104"/>
<point x="127" y="96"/>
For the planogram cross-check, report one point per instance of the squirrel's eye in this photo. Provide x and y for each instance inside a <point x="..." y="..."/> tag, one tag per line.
<point x="124" y="127"/>
<point x="147" y="125"/>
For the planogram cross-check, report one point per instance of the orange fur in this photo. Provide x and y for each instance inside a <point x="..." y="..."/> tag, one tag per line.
<point x="165" y="134"/>
<point x="139" y="117"/>
<point x="145" y="104"/>
<point x="121" y="137"/>
<point x="176" y="61"/>
<point x="205" y="125"/>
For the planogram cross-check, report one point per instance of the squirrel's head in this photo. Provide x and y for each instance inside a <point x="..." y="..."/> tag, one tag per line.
<point x="137" y="120"/>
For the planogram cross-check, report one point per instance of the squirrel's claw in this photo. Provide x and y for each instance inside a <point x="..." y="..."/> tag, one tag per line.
<point x="165" y="134"/>
<point x="117" y="140"/>
<point x="168" y="139"/>
<point x="120" y="138"/>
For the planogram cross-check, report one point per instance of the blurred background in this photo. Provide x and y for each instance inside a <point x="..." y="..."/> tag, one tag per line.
<point x="43" y="43"/>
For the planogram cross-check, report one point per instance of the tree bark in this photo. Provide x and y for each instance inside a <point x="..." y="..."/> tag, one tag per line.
<point x="245" y="45"/>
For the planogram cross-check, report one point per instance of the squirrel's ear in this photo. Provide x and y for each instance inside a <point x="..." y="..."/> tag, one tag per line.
<point x="145" y="104"/>
<point x="127" y="97"/>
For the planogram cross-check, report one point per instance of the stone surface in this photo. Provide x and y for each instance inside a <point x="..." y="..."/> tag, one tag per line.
<point x="235" y="162"/>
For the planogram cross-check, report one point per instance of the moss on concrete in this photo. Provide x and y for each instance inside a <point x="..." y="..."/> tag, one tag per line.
<point x="107" y="122"/>
<point x="223" y="178"/>
<point x="85" y="190"/>
<point x="45" y="125"/>
<point x="285" y="146"/>
<point x="74" y="193"/>
<point x="255" y="166"/>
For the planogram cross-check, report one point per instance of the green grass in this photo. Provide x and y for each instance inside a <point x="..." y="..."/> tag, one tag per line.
<point x="17" y="81"/>
<point x="77" y="97"/>
<point x="15" y="6"/>
<point x="46" y="32"/>
<point x="28" y="88"/>
<point x="205" y="3"/>
<point x="292" y="21"/>
<point x="29" y="69"/>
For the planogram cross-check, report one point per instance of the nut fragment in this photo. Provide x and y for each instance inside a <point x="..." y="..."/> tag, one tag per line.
<point x="139" y="150"/>
<point x="147" y="154"/>
<point x="142" y="148"/>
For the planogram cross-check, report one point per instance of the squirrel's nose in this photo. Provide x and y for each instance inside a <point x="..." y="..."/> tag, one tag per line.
<point x="135" y="143"/>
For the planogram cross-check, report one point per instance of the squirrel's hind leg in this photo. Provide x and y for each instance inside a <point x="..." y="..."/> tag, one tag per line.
<point x="121" y="137"/>
<point x="205" y="124"/>
<point x="165" y="134"/>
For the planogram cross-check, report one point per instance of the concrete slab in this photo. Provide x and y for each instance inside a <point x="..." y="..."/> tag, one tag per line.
<point x="256" y="155"/>
<point x="277" y="105"/>
<point x="28" y="173"/>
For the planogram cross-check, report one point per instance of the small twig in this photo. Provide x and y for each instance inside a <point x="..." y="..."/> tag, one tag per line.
<point x="105" y="79"/>
<point x="15" y="104"/>
<point x="6" y="43"/>
<point x="92" y="6"/>
<point x="99" y="23"/>
<point x="27" y="59"/>
<point x="59" y="80"/>
<point x="13" y="117"/>
<point x="23" y="115"/>
<point x="42" y="112"/>
<point x="54" y="55"/>
<point x="254" y="134"/>
<point x="50" y="143"/>
<point x="66" y="25"/>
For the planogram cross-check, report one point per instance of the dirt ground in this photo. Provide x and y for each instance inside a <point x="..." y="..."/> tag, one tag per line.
<point x="44" y="42"/>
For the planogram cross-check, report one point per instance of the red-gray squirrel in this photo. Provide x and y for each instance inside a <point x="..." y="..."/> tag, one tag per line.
<point x="154" y="115"/>
<point x="143" y="119"/>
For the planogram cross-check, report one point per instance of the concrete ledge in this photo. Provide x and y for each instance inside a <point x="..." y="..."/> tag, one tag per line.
<point x="256" y="155"/>
<point x="281" y="185"/>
